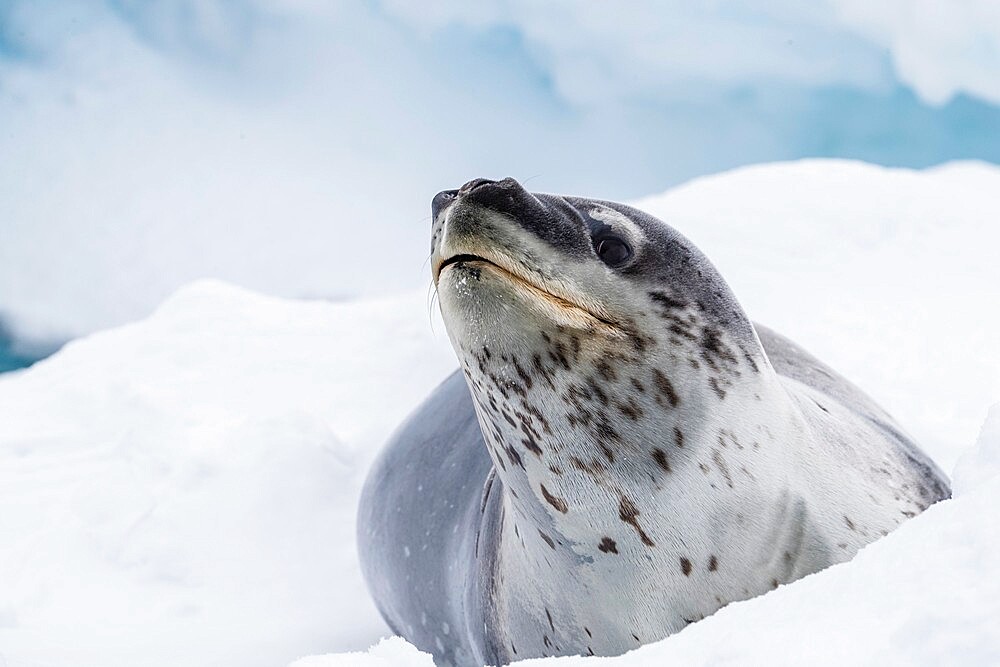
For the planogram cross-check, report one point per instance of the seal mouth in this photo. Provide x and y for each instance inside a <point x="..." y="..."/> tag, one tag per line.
<point x="461" y="259"/>
<point x="528" y="281"/>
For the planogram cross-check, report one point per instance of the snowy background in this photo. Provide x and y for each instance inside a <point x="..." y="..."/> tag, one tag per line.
<point x="223" y="206"/>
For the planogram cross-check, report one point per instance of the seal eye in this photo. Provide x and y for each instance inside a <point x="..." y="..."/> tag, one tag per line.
<point x="612" y="251"/>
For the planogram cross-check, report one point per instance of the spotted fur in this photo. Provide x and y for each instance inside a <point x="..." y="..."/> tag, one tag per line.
<point x="652" y="455"/>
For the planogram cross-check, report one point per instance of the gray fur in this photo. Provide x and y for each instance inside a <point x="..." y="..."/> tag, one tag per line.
<point x="623" y="453"/>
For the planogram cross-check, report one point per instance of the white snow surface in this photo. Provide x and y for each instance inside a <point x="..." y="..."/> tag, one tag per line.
<point x="182" y="490"/>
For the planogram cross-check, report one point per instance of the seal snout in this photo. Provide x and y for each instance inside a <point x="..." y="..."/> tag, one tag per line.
<point x="505" y="196"/>
<point x="473" y="184"/>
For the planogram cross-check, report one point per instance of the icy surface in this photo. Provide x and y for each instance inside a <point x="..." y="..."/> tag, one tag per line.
<point x="390" y="652"/>
<point x="182" y="490"/>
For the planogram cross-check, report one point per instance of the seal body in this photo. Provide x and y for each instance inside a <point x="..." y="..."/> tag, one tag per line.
<point x="622" y="453"/>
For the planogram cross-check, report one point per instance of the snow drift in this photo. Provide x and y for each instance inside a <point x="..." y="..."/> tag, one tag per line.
<point x="182" y="490"/>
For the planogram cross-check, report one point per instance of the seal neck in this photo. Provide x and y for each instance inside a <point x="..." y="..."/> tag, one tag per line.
<point x="650" y="471"/>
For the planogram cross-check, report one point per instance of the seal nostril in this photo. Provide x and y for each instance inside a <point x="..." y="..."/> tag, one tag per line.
<point x="473" y="184"/>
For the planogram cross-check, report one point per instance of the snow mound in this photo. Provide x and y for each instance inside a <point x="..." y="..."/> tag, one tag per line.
<point x="390" y="652"/>
<point x="182" y="491"/>
<point x="983" y="462"/>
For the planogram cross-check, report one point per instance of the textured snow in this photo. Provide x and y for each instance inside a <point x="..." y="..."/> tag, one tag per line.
<point x="390" y="652"/>
<point x="182" y="490"/>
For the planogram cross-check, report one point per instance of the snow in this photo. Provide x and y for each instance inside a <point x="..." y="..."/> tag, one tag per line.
<point x="390" y="652"/>
<point x="983" y="462"/>
<point x="182" y="490"/>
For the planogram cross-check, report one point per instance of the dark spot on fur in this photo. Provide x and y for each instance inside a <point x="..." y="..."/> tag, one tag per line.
<point x="678" y="437"/>
<point x="514" y="457"/>
<point x="607" y="545"/>
<point x="850" y="524"/>
<point x="681" y="331"/>
<point x="607" y="453"/>
<point x="667" y="302"/>
<point x="665" y="388"/>
<point x="713" y="349"/>
<point x="555" y="501"/>
<point x="606" y="371"/>
<point x="543" y="371"/>
<point x="628" y="513"/>
<point x="685" y="566"/>
<point x="531" y="444"/>
<point x="713" y="564"/>
<point x="660" y="457"/>
<point x="535" y="412"/>
<point x="595" y="468"/>
<point x="521" y="373"/>
<point x="720" y="463"/>
<point x="714" y="384"/>
<point x="597" y="391"/>
<point x="549" y="616"/>
<point x="604" y="431"/>
<point x="630" y="409"/>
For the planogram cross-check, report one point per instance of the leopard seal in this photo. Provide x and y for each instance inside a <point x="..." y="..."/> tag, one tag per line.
<point x="622" y="452"/>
